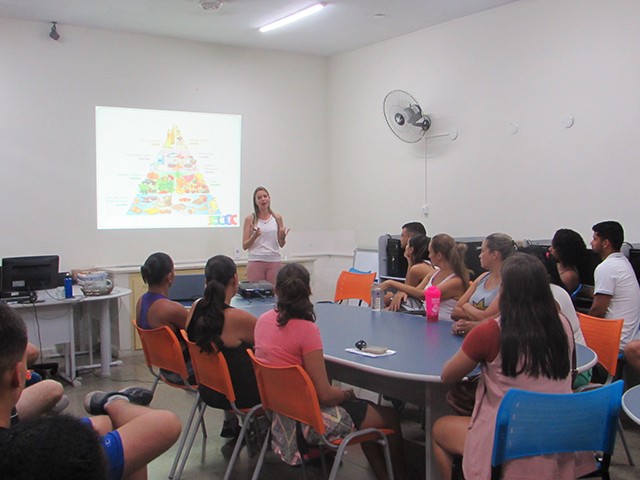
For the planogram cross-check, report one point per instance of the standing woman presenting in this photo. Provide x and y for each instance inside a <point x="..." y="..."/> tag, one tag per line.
<point x="263" y="235"/>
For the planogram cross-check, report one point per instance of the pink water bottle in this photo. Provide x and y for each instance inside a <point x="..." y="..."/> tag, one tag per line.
<point x="432" y="303"/>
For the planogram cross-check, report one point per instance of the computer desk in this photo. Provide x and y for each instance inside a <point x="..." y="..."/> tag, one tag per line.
<point x="50" y="321"/>
<point x="412" y="374"/>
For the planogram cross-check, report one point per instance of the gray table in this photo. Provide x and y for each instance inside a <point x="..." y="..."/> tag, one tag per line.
<point x="631" y="403"/>
<point x="50" y="321"/>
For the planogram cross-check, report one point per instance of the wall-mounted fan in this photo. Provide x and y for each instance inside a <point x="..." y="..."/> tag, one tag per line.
<point x="406" y="120"/>
<point x="404" y="116"/>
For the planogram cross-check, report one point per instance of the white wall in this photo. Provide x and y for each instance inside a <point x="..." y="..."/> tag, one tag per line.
<point x="531" y="62"/>
<point x="48" y="93"/>
<point x="314" y="133"/>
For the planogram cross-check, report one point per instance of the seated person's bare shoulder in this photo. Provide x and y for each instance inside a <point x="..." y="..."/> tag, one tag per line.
<point x="417" y="272"/>
<point x="238" y="327"/>
<point x="167" y="312"/>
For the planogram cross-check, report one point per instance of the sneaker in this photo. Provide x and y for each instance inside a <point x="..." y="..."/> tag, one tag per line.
<point x="95" y="402"/>
<point x="137" y="395"/>
<point x="61" y="405"/>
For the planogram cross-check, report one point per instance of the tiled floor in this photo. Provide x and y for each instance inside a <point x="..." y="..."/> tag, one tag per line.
<point x="209" y="459"/>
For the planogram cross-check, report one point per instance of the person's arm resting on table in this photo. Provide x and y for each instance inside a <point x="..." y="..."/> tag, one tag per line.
<point x="481" y="344"/>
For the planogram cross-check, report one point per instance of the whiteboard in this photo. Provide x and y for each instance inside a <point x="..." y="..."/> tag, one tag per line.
<point x="365" y="259"/>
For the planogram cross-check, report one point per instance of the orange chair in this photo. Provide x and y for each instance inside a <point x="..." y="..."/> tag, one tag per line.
<point x="354" y="285"/>
<point x="212" y="371"/>
<point x="290" y="392"/>
<point x="603" y="337"/>
<point x="163" y="351"/>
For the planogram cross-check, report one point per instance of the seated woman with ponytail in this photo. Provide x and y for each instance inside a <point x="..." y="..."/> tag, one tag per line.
<point x="451" y="277"/>
<point x="214" y="325"/>
<point x="287" y="336"/>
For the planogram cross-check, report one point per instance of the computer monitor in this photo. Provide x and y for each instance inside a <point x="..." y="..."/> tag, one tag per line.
<point x="28" y="274"/>
<point x="634" y="259"/>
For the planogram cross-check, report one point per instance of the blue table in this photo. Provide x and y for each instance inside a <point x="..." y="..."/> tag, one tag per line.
<point x="412" y="374"/>
<point x="631" y="403"/>
<point x="422" y="347"/>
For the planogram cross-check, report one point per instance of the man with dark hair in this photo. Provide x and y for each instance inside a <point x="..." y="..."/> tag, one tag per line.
<point x="132" y="434"/>
<point x="399" y="262"/>
<point x="410" y="230"/>
<point x="616" y="291"/>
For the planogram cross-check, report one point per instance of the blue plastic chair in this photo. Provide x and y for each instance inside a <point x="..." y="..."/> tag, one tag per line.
<point x="361" y="272"/>
<point x="530" y="424"/>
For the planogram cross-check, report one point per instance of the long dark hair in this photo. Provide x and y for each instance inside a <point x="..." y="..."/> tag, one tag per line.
<point x="532" y="339"/>
<point x="569" y="247"/>
<point x="155" y="268"/>
<point x="293" y="291"/>
<point x="420" y="245"/>
<point x="209" y="315"/>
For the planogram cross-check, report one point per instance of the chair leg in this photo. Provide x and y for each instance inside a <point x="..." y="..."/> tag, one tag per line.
<point x="246" y="425"/>
<point x="183" y="435"/>
<point x="338" y="460"/>
<point x="624" y="443"/>
<point x="155" y="382"/>
<point x="194" y="431"/>
<point x="263" y="452"/>
<point x="202" y="406"/>
<point x="387" y="457"/>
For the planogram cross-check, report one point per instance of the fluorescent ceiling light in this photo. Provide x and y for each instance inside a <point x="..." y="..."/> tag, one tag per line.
<point x="293" y="18"/>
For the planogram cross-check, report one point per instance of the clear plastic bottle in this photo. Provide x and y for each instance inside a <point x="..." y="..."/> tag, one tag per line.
<point x="376" y="297"/>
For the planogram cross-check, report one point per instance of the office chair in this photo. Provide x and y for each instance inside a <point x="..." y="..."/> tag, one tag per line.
<point x="354" y="286"/>
<point x="531" y="424"/>
<point x="290" y="392"/>
<point x="163" y="351"/>
<point x="212" y="371"/>
<point x="603" y="337"/>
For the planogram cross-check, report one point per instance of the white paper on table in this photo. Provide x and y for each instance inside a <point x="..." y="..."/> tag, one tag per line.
<point x="367" y="354"/>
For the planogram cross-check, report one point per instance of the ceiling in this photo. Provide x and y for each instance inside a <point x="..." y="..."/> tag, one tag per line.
<point x="342" y="26"/>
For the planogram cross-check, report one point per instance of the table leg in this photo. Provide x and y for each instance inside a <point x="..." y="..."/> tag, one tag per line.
<point x="71" y="373"/>
<point x="87" y="323"/>
<point x="105" y="340"/>
<point x="434" y="408"/>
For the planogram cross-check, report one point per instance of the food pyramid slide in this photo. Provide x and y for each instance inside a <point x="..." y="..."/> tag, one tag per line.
<point x="174" y="186"/>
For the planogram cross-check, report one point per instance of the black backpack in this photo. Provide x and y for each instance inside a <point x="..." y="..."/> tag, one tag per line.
<point x="396" y="263"/>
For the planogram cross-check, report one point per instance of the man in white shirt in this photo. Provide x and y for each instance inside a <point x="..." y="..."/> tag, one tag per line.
<point x="616" y="292"/>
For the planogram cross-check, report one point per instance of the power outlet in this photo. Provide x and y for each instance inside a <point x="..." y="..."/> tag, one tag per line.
<point x="237" y="251"/>
<point x="425" y="210"/>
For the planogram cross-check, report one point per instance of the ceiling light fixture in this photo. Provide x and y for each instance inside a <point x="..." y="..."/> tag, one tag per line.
<point x="293" y="18"/>
<point x="210" y="5"/>
<point x="54" y="33"/>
